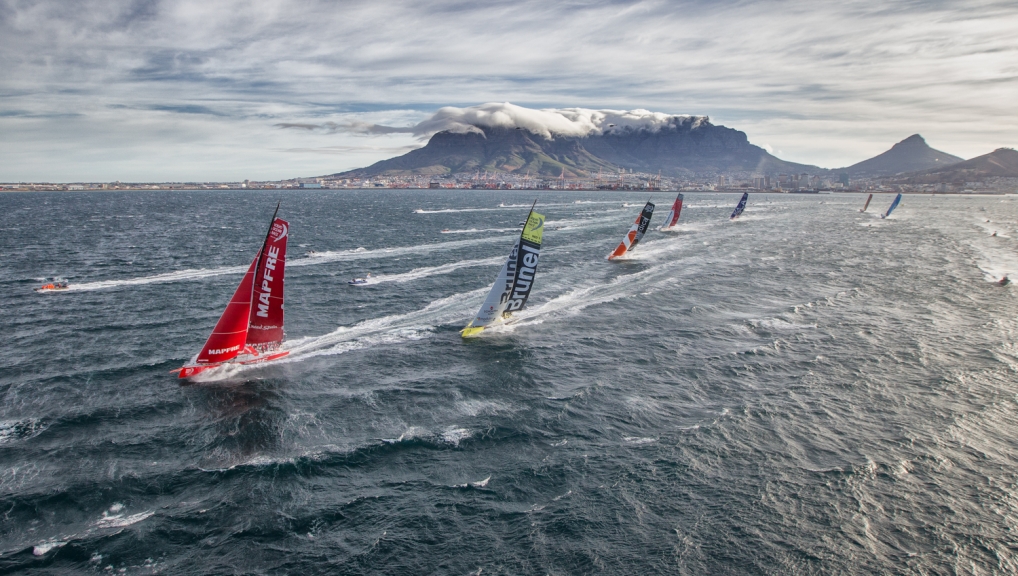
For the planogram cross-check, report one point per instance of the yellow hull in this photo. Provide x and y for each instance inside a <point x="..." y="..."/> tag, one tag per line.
<point x="470" y="331"/>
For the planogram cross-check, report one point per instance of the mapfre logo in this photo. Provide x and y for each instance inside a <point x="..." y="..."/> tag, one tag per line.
<point x="279" y="231"/>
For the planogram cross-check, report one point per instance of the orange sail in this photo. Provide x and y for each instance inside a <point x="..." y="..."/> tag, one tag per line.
<point x="635" y="233"/>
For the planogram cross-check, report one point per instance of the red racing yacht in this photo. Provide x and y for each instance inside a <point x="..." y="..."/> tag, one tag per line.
<point x="251" y="328"/>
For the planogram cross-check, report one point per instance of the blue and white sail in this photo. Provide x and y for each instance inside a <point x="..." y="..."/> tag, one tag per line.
<point x="892" y="207"/>
<point x="740" y="207"/>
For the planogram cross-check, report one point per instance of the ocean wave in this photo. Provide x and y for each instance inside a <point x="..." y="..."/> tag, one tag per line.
<point x="11" y="430"/>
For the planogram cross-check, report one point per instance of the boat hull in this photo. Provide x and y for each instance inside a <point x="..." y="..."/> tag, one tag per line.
<point x="194" y="370"/>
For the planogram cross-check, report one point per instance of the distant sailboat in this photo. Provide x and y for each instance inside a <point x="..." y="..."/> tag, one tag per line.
<point x="512" y="286"/>
<point x="740" y="207"/>
<point x="867" y="205"/>
<point x="251" y="327"/>
<point x="636" y="232"/>
<point x="673" y="214"/>
<point x="892" y="207"/>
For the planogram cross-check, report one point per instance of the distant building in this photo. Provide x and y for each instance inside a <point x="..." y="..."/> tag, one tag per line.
<point x="843" y="178"/>
<point x="721" y="181"/>
<point x="310" y="185"/>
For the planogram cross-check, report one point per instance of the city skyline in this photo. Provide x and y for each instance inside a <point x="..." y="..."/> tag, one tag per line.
<point x="152" y="91"/>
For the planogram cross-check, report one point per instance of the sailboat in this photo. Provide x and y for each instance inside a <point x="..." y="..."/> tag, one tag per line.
<point x="251" y="327"/>
<point x="512" y="286"/>
<point x="892" y="207"/>
<point x="636" y="232"/>
<point x="740" y="207"/>
<point x="867" y="205"/>
<point x="673" y="214"/>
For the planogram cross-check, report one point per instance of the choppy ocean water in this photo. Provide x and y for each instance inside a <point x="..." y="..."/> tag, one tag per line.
<point x="806" y="390"/>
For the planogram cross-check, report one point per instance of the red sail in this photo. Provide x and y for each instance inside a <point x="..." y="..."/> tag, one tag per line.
<point x="266" y="326"/>
<point x="673" y="216"/>
<point x="227" y="338"/>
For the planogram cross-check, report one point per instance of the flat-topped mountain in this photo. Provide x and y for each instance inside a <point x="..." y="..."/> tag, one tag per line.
<point x="683" y="146"/>
<point x="910" y="155"/>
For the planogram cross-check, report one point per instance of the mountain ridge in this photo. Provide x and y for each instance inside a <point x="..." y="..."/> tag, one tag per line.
<point x="1001" y="163"/>
<point x="687" y="146"/>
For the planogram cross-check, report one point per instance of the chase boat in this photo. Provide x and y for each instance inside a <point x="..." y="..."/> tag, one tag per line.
<point x="56" y="285"/>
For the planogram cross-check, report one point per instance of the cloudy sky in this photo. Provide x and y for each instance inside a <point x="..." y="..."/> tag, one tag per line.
<point x="150" y="90"/>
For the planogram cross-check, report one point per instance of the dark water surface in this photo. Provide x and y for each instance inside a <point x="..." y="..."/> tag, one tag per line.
<point x="807" y="390"/>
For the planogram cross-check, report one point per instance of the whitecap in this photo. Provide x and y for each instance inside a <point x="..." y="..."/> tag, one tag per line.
<point x="455" y="435"/>
<point x="638" y="441"/>
<point x="409" y="434"/>
<point x="42" y="549"/>
<point x="120" y="521"/>
<point x="478" y="484"/>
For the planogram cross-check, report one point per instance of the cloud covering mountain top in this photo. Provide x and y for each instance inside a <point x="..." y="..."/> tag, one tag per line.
<point x="546" y="122"/>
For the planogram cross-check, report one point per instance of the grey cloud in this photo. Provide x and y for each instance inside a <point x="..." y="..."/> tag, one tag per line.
<point x="788" y="72"/>
<point x="348" y="126"/>
<point x="339" y="150"/>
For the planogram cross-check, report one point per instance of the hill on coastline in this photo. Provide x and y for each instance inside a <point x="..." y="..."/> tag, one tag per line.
<point x="1001" y="163"/>
<point x="912" y="154"/>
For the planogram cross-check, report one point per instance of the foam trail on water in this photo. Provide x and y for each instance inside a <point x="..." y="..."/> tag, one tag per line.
<point x="178" y="276"/>
<point x="418" y="273"/>
<point x="479" y="230"/>
<point x="365" y="254"/>
<point x="314" y="260"/>
<point x="493" y="209"/>
<point x="452" y="210"/>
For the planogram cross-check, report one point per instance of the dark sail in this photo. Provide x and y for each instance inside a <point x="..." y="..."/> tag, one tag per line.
<point x="741" y="206"/>
<point x="526" y="263"/>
